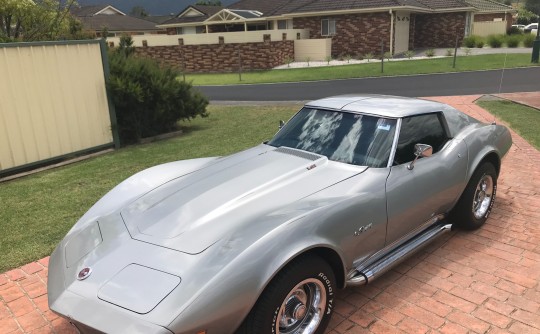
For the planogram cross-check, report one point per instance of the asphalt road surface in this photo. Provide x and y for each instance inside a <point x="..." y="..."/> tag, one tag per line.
<point x="468" y="83"/>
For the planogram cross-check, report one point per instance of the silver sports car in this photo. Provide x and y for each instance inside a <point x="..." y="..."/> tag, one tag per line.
<point x="259" y="241"/>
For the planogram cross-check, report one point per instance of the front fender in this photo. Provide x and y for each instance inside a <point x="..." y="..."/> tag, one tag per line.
<point x="227" y="298"/>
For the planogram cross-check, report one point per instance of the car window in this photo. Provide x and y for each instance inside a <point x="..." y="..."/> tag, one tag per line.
<point x="422" y="129"/>
<point x="351" y="138"/>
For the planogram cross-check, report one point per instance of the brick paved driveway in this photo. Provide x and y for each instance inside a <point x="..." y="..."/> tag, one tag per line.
<point x="486" y="281"/>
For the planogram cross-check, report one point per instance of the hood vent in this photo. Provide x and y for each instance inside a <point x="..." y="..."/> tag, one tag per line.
<point x="298" y="153"/>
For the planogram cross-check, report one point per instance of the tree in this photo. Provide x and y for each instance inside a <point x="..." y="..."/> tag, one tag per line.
<point x="138" y="11"/>
<point x="525" y="16"/>
<point x="27" y="20"/>
<point x="209" y="3"/>
<point x="533" y="6"/>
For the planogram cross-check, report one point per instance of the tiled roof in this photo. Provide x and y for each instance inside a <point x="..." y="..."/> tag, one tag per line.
<point x="281" y="7"/>
<point x="158" y="19"/>
<point x="267" y="7"/>
<point x="489" y="6"/>
<point x="87" y="10"/>
<point x="270" y="8"/>
<point x="443" y="4"/>
<point x="91" y="10"/>
<point x="117" y="23"/>
<point x="206" y="10"/>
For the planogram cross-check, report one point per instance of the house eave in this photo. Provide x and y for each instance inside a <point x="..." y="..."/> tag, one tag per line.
<point x="110" y="7"/>
<point x="378" y="10"/>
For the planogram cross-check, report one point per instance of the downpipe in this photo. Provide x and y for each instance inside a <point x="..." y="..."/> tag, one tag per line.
<point x="365" y="275"/>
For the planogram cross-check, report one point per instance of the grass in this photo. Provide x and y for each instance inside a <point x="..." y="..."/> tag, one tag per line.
<point x="524" y="120"/>
<point x="38" y="210"/>
<point x="373" y="69"/>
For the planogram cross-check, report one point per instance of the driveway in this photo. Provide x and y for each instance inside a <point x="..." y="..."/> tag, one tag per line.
<point x="486" y="281"/>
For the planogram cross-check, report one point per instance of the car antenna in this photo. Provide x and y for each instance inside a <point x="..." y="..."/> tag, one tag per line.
<point x="501" y="83"/>
<point x="502" y="73"/>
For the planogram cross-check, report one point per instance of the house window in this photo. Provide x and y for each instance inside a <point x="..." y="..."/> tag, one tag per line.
<point x="328" y="27"/>
<point x="282" y="24"/>
<point x="179" y="31"/>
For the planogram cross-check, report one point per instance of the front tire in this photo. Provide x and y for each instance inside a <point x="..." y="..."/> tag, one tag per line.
<point x="476" y="202"/>
<point x="298" y="300"/>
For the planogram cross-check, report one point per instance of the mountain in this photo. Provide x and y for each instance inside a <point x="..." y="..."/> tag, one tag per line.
<point x="154" y="7"/>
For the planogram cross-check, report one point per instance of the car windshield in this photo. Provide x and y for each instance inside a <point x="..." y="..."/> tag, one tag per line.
<point x="351" y="138"/>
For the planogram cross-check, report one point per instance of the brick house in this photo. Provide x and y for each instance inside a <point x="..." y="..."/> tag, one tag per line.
<point x="262" y="34"/>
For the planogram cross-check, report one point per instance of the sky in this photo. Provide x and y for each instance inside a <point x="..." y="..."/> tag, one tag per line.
<point x="154" y="7"/>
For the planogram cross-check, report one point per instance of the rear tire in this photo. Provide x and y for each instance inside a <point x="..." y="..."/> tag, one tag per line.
<point x="299" y="297"/>
<point x="476" y="202"/>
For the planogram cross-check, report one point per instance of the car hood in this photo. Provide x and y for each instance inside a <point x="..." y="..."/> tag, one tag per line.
<point x="190" y="213"/>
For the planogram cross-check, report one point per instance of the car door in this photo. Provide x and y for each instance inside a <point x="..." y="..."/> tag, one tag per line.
<point x="415" y="196"/>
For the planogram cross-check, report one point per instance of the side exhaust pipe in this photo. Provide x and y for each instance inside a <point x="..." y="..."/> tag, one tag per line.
<point x="365" y="275"/>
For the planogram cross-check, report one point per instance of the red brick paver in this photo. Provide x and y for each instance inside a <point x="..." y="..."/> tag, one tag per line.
<point x="485" y="281"/>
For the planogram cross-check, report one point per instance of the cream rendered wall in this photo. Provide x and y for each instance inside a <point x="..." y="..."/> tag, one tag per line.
<point x="213" y="38"/>
<point x="52" y="102"/>
<point x="314" y="49"/>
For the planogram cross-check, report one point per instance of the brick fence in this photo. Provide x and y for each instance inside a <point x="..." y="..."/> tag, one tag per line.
<point x="222" y="57"/>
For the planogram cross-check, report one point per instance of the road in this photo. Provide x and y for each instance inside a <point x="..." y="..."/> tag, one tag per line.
<point x="467" y="83"/>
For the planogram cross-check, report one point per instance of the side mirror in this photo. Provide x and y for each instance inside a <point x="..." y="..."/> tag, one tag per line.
<point x="281" y="124"/>
<point x="420" y="151"/>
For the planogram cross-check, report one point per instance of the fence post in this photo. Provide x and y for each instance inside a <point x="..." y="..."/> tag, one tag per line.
<point x="455" y="49"/>
<point x="382" y="56"/>
<point x="239" y="64"/>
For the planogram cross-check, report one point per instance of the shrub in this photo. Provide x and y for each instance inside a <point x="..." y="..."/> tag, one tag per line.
<point x="495" y="41"/>
<point x="480" y="44"/>
<point x="512" y="41"/>
<point x="348" y="58"/>
<point x="467" y="51"/>
<point x="308" y="59"/>
<point x="449" y="52"/>
<point x="528" y="40"/>
<point x="430" y="53"/>
<point x="328" y="60"/>
<point x="388" y="55"/>
<point x="409" y="54"/>
<point x="470" y="41"/>
<point x="514" y="31"/>
<point x="149" y="99"/>
<point x="288" y="61"/>
<point x="368" y="56"/>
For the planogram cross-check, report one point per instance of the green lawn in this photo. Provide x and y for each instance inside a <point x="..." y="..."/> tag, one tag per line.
<point x="524" y="120"/>
<point x="38" y="210"/>
<point x="373" y="69"/>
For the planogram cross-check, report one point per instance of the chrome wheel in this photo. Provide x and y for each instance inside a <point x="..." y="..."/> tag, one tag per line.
<point x="483" y="196"/>
<point x="303" y="309"/>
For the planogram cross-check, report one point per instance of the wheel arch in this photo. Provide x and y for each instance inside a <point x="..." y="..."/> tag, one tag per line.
<point x="332" y="258"/>
<point x="491" y="157"/>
